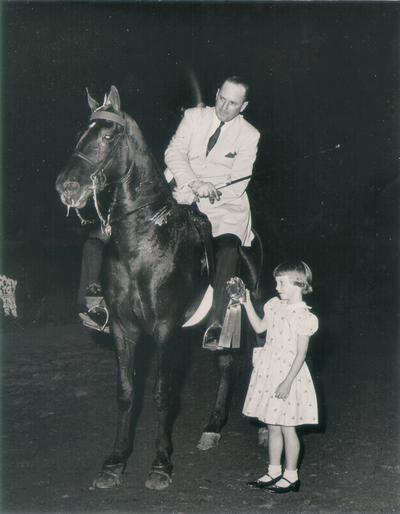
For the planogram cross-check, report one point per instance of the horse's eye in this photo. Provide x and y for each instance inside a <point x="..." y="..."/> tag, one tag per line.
<point x="108" y="137"/>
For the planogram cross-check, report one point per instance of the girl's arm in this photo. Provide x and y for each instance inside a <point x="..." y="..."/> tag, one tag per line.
<point x="259" y="325"/>
<point x="283" y="390"/>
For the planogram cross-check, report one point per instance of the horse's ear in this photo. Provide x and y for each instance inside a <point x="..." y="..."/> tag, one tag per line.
<point x="114" y="99"/>
<point x="93" y="104"/>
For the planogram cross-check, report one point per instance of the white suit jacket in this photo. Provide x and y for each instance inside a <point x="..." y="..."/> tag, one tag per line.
<point x="232" y="157"/>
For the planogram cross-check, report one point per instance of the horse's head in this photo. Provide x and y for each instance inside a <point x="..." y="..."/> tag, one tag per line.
<point x="102" y="155"/>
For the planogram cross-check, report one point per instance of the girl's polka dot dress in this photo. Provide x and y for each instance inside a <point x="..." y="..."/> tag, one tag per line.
<point x="272" y="363"/>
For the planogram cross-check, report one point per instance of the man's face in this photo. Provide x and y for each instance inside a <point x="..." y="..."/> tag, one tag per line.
<point x="230" y="101"/>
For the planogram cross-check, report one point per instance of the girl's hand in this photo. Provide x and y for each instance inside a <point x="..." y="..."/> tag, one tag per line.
<point x="283" y="390"/>
<point x="246" y="298"/>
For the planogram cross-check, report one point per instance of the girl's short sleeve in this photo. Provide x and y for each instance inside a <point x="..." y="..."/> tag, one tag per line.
<point x="307" y="324"/>
<point x="269" y="309"/>
<point x="269" y="306"/>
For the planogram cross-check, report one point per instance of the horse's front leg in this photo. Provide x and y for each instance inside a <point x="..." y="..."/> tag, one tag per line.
<point x="212" y="431"/>
<point x="113" y="467"/>
<point x="161" y="469"/>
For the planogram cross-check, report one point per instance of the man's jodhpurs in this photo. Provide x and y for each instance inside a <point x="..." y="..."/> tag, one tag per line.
<point x="92" y="261"/>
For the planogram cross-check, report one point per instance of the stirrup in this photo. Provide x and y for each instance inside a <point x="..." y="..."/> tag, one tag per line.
<point x="88" y="322"/>
<point x="210" y="340"/>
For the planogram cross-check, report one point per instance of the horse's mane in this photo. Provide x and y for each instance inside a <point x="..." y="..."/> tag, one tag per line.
<point x="144" y="156"/>
<point x="135" y="133"/>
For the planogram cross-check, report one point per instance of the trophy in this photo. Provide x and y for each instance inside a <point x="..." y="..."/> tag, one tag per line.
<point x="236" y="289"/>
<point x="230" y="334"/>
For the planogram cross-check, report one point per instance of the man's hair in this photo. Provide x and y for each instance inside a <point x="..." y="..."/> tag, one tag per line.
<point x="300" y="272"/>
<point x="235" y="79"/>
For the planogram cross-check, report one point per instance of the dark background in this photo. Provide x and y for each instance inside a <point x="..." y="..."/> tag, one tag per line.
<point x="325" y="90"/>
<point x="324" y="96"/>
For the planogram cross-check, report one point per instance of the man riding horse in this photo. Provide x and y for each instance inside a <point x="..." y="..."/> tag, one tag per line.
<point x="211" y="146"/>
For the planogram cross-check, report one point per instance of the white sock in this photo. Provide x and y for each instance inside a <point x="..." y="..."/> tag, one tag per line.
<point x="291" y="475"/>
<point x="274" y="470"/>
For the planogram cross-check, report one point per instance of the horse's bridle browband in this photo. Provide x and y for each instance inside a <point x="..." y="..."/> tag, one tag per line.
<point x="109" y="116"/>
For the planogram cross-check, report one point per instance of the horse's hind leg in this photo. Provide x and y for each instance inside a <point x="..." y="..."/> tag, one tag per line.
<point x="114" y="466"/>
<point x="212" y="431"/>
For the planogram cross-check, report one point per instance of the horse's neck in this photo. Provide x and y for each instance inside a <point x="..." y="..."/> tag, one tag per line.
<point x="143" y="186"/>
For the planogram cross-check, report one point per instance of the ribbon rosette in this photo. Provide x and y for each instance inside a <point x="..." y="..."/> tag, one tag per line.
<point x="236" y="289"/>
<point x="230" y="334"/>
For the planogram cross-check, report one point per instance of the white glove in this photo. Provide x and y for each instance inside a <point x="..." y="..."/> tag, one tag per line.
<point x="184" y="195"/>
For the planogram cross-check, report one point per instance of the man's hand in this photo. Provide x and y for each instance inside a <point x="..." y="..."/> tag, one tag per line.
<point x="205" y="190"/>
<point x="184" y="195"/>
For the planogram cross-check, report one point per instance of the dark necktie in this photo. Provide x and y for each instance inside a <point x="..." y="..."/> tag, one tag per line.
<point x="214" y="138"/>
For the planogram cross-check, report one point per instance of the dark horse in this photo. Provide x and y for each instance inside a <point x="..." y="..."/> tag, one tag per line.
<point x="154" y="271"/>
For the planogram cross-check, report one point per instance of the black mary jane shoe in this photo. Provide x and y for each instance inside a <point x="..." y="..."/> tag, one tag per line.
<point x="293" y="487"/>
<point x="261" y="484"/>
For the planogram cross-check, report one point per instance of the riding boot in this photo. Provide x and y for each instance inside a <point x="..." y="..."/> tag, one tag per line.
<point x="93" y="310"/>
<point x="92" y="260"/>
<point x="227" y="263"/>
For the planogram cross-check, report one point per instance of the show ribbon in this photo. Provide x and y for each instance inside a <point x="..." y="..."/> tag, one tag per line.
<point x="231" y="329"/>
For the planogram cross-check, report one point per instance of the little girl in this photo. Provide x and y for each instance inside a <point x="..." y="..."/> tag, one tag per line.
<point x="281" y="392"/>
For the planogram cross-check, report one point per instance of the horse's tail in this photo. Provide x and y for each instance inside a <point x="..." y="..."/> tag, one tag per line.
<point x="257" y="291"/>
<point x="254" y="262"/>
<point x="253" y="259"/>
<point x="194" y="82"/>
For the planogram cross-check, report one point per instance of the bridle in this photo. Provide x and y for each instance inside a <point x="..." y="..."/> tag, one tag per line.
<point x="98" y="177"/>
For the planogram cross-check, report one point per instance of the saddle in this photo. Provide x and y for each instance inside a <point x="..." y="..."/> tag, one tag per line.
<point x="251" y="257"/>
<point x="250" y="268"/>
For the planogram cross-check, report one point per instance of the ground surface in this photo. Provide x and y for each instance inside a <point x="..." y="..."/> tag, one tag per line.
<point x="59" y="419"/>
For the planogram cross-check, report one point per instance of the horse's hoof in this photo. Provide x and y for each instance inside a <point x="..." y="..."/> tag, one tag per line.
<point x="158" y="480"/>
<point x="107" y="479"/>
<point x="208" y="440"/>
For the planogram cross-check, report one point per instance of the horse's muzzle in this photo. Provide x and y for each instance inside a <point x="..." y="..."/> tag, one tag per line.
<point x="72" y="193"/>
<point x="71" y="187"/>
